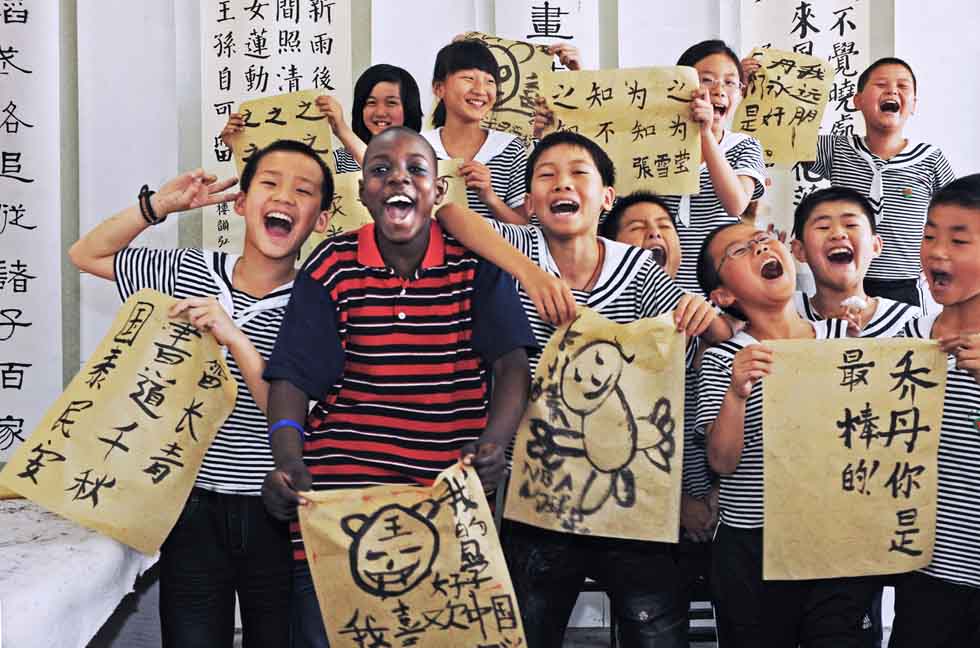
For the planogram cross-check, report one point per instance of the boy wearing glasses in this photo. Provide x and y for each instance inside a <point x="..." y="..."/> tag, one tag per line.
<point x="751" y="275"/>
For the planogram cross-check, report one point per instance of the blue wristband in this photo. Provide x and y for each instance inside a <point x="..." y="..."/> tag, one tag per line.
<point x="281" y="423"/>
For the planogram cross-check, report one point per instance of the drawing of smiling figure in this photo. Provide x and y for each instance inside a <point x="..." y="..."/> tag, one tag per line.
<point x="393" y="549"/>
<point x="589" y="387"/>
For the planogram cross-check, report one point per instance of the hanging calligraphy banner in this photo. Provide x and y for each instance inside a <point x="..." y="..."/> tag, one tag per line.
<point x="850" y="476"/>
<point x="119" y="450"/>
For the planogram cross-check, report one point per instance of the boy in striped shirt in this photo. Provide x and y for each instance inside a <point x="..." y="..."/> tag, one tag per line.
<point x="393" y="329"/>
<point x="939" y="606"/>
<point x="224" y="542"/>
<point x="750" y="273"/>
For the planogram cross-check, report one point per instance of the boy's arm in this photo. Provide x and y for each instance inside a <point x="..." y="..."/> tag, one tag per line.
<point x="552" y="298"/>
<point x="280" y="490"/>
<point x="94" y="253"/>
<point x="334" y="113"/>
<point x="726" y="435"/>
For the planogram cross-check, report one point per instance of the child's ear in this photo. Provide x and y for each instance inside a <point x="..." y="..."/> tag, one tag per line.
<point x="877" y="244"/>
<point x="360" y="190"/>
<point x="608" y="198"/>
<point x="442" y="189"/>
<point x="858" y="99"/>
<point x="240" y="203"/>
<point x="722" y="296"/>
<point x="528" y="205"/>
<point x="322" y="220"/>
<point x="799" y="252"/>
<point x="438" y="89"/>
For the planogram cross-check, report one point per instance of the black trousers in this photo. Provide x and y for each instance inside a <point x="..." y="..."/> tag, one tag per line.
<point x="933" y="613"/>
<point x="220" y="546"/>
<point x="752" y="613"/>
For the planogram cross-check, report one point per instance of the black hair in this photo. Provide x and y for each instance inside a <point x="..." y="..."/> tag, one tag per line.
<point x="609" y="228"/>
<point x="461" y="55"/>
<point x="706" y="48"/>
<point x="962" y="192"/>
<point x="816" y="198"/>
<point x="404" y="130"/>
<point x="708" y="277"/>
<point x="607" y="170"/>
<point x="888" y="60"/>
<point x="408" y="89"/>
<point x="289" y="146"/>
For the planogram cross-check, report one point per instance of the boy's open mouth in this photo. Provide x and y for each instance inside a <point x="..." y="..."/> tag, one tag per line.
<point x="659" y="255"/>
<point x="840" y="255"/>
<point x="278" y="223"/>
<point x="720" y="110"/>
<point x="889" y="105"/>
<point x="398" y="208"/>
<point x="564" y="207"/>
<point x="772" y="269"/>
<point x="940" y="278"/>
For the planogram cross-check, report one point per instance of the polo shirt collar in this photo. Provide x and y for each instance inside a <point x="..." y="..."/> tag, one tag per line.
<point x="368" y="253"/>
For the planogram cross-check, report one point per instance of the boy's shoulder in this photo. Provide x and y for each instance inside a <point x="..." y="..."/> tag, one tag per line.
<point x="724" y="352"/>
<point x="920" y="327"/>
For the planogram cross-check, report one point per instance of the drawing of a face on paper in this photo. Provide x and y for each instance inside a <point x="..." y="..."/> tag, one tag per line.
<point x="394" y="548"/>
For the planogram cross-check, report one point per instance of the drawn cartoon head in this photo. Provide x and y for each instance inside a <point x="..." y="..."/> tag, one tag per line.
<point x="590" y="375"/>
<point x="393" y="549"/>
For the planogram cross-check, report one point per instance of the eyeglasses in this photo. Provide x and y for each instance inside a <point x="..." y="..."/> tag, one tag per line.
<point x="740" y="250"/>
<point x="727" y="84"/>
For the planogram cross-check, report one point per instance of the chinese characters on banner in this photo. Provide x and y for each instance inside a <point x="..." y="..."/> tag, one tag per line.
<point x="287" y="116"/>
<point x="255" y="49"/>
<point x="850" y="476"/>
<point x="522" y="67"/>
<point x="601" y="445"/>
<point x="784" y="104"/>
<point x="30" y="221"/>
<point x="119" y="450"/>
<point x="552" y="22"/>
<point x="348" y="213"/>
<point x="836" y="31"/>
<point x="641" y="117"/>
<point x="410" y="566"/>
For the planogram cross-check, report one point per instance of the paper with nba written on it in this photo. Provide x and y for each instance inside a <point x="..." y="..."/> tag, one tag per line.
<point x="348" y="213"/>
<point x="290" y="116"/>
<point x="601" y="446"/>
<point x="119" y="451"/>
<point x="784" y="105"/>
<point x="851" y="471"/>
<point x="410" y="565"/>
<point x="641" y="117"/>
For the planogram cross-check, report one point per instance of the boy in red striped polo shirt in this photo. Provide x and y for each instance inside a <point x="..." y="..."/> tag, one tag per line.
<point x="393" y="330"/>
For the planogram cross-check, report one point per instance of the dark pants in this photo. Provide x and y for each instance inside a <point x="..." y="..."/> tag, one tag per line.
<point x="220" y="546"/>
<point x="933" y="613"/>
<point x="642" y="578"/>
<point x="901" y="290"/>
<point x="750" y="612"/>
<point x="308" y="630"/>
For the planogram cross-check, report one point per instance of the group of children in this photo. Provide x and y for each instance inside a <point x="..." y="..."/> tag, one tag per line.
<point x="397" y="332"/>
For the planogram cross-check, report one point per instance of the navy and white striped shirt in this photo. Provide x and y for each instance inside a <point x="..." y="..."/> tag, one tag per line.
<point x="956" y="556"/>
<point x="741" y="491"/>
<point x="696" y="476"/>
<point x="344" y="161"/>
<point x="706" y="213"/>
<point x="506" y="157"/>
<point x="889" y="318"/>
<point x="239" y="459"/>
<point x="901" y="196"/>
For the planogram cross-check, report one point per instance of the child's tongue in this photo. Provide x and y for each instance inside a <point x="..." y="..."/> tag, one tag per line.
<point x="398" y="213"/>
<point x="277" y="228"/>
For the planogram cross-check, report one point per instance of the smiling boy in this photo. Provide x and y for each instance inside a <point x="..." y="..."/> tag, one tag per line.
<point x="393" y="329"/>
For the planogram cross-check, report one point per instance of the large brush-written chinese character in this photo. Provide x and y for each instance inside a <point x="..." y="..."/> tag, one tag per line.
<point x="784" y="105"/>
<point x="641" y="117"/>
<point x="119" y="450"/>
<point x="850" y="466"/>
<point x="600" y="448"/>
<point x="410" y="566"/>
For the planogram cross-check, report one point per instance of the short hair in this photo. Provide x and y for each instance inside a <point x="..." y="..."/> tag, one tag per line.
<point x="829" y="194"/>
<point x="461" y="55"/>
<point x="290" y="146"/>
<point x="962" y="192"/>
<point x="395" y="131"/>
<point x="706" y="48"/>
<point x="708" y="277"/>
<point x="888" y="60"/>
<point x="607" y="170"/>
<point x="609" y="228"/>
<point x="408" y="89"/>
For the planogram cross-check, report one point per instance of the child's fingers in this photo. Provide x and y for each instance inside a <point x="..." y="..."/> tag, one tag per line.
<point x="216" y="187"/>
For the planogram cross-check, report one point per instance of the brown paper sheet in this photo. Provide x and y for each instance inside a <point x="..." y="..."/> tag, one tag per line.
<point x="850" y="466"/>
<point x="784" y="105"/>
<point x="601" y="445"/>
<point x="292" y="116"/>
<point x="402" y="566"/>
<point x="347" y="213"/>
<point x="641" y="117"/>
<point x="119" y="450"/>
<point x="522" y="68"/>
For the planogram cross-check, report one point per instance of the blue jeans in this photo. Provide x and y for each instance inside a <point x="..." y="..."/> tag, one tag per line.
<point x="307" y="622"/>
<point x="642" y="578"/>
<point x="220" y="546"/>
